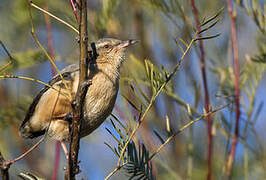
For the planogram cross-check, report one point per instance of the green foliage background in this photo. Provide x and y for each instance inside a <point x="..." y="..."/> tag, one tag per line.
<point x="156" y="23"/>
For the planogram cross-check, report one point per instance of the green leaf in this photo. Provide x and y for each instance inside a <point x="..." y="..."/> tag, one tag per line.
<point x="112" y="149"/>
<point x="212" y="18"/>
<point x="138" y="165"/>
<point x="207" y="37"/>
<point x="26" y="59"/>
<point x="159" y="137"/>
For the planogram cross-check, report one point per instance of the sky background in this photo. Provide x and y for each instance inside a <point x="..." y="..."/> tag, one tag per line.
<point x="156" y="32"/>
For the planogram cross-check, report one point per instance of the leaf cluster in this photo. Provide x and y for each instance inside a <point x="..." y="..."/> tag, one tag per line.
<point x="138" y="164"/>
<point x="135" y="161"/>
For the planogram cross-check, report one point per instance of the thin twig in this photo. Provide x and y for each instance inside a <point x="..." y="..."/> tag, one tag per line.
<point x="45" y="52"/>
<point x="170" y="138"/>
<point x="5" y="164"/>
<point x="4" y="168"/>
<point x="168" y="93"/>
<point x="149" y="107"/>
<point x="11" y="59"/>
<point x="53" y="71"/>
<point x="10" y="162"/>
<point x="73" y="4"/>
<point x="231" y="157"/>
<point x="185" y="127"/>
<point x="206" y="92"/>
<point x="34" y="80"/>
<point x="49" y="38"/>
<point x="77" y="104"/>
<point x="53" y="16"/>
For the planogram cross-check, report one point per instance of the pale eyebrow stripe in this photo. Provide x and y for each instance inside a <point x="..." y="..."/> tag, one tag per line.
<point x="101" y="44"/>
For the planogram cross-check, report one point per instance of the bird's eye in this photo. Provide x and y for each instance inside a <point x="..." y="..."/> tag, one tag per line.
<point x="106" y="46"/>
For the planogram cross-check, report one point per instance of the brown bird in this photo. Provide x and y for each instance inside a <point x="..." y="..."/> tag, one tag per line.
<point x="51" y="107"/>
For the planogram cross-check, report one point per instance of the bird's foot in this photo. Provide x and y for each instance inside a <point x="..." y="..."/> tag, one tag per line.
<point x="77" y="39"/>
<point x="77" y="171"/>
<point x="86" y="84"/>
<point x="68" y="117"/>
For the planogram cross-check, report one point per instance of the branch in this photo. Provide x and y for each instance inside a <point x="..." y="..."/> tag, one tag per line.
<point x="231" y="157"/>
<point x="4" y="168"/>
<point x="49" y="38"/>
<point x="53" y="16"/>
<point x="33" y="80"/>
<point x="185" y="127"/>
<point x="74" y="5"/>
<point x="205" y="87"/>
<point x="44" y="51"/>
<point x="11" y="59"/>
<point x="77" y="104"/>
<point x="171" y="138"/>
<point x="142" y="118"/>
<point x="5" y="164"/>
<point x="53" y="70"/>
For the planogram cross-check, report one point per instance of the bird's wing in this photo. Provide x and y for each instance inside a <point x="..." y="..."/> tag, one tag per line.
<point x="43" y="105"/>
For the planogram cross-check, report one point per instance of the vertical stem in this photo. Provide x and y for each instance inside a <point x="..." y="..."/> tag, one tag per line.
<point x="245" y="163"/>
<point x="49" y="38"/>
<point x="4" y="168"/>
<point x="77" y="104"/>
<point x="73" y="4"/>
<point x="190" y="149"/>
<point x="206" y="92"/>
<point x="53" y="71"/>
<point x="232" y="16"/>
<point x="57" y="160"/>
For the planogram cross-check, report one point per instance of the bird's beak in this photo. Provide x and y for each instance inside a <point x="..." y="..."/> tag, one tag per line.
<point x="125" y="44"/>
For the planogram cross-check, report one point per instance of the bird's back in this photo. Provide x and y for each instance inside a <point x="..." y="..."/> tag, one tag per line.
<point x="50" y="106"/>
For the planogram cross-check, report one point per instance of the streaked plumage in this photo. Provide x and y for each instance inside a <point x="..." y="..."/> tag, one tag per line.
<point x="99" y="102"/>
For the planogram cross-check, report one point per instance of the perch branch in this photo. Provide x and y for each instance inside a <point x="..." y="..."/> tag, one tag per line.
<point x="118" y="166"/>
<point x="231" y="157"/>
<point x="4" y="168"/>
<point x="185" y="127"/>
<point x="77" y="104"/>
<point x="53" y="71"/>
<point x="5" y="164"/>
<point x="11" y="59"/>
<point x="74" y="6"/>
<point x="206" y="92"/>
<point x="53" y="16"/>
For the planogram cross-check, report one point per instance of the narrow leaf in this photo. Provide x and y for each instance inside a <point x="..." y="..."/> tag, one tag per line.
<point x="112" y="149"/>
<point x="207" y="37"/>
<point x="113" y="135"/>
<point x="159" y="137"/>
<point x="183" y="42"/>
<point x="212" y="18"/>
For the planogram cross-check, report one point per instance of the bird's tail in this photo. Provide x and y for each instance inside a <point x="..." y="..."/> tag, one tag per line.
<point x="26" y="132"/>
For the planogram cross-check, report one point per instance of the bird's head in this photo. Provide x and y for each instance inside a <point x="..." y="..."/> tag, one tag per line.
<point x="112" y="51"/>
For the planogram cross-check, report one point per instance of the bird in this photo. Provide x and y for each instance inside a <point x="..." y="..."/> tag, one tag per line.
<point x="50" y="109"/>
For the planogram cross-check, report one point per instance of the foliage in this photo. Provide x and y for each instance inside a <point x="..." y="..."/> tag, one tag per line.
<point x="25" y="59"/>
<point x="136" y="160"/>
<point x="138" y="165"/>
<point x="160" y="86"/>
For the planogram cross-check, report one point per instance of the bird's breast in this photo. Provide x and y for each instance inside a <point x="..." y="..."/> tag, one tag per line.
<point x="99" y="102"/>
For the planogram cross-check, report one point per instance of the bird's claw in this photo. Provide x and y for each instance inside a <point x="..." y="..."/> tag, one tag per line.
<point x="68" y="117"/>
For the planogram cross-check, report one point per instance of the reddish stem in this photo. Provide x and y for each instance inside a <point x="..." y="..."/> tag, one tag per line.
<point x="49" y="38"/>
<point x="57" y="160"/>
<point x="73" y="4"/>
<point x="51" y="53"/>
<point x="237" y="90"/>
<point x="4" y="168"/>
<point x="206" y="92"/>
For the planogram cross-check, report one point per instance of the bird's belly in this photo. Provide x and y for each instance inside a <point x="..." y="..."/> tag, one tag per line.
<point x="98" y="106"/>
